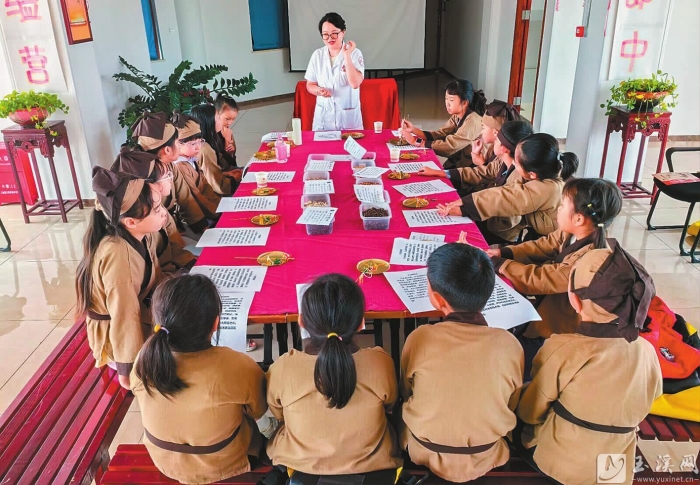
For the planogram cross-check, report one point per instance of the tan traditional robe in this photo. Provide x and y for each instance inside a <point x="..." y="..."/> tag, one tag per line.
<point x="171" y="251"/>
<point x="314" y="438"/>
<point x="454" y="140"/>
<point x="542" y="268"/>
<point x="226" y="389"/>
<point x="606" y="381"/>
<point x="461" y="383"/>
<point x="203" y="193"/>
<point x="119" y="315"/>
<point x="533" y="202"/>
<point x="187" y="206"/>
<point x="209" y="165"/>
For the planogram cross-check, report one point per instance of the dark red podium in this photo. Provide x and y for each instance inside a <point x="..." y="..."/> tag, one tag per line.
<point x="28" y="139"/>
<point x="630" y="123"/>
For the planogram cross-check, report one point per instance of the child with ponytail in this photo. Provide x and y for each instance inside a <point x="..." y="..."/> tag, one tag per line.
<point x="198" y="402"/>
<point x="541" y="268"/>
<point x="119" y="269"/>
<point x="332" y="399"/>
<point x="502" y="212"/>
<point x="454" y="140"/>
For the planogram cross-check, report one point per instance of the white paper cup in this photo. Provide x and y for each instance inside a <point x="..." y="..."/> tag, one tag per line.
<point x="378" y="126"/>
<point x="261" y="179"/>
<point x="394" y="154"/>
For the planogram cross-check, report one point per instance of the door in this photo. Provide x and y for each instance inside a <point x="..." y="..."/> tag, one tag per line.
<point x="527" y="46"/>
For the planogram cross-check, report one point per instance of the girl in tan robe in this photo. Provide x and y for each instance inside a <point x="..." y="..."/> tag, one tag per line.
<point x="198" y="403"/>
<point x="496" y="174"/>
<point x="332" y="399"/>
<point x="460" y="379"/>
<point x="590" y="389"/>
<point x="502" y="212"/>
<point x="454" y="140"/>
<point x="119" y="269"/>
<point x="541" y="268"/>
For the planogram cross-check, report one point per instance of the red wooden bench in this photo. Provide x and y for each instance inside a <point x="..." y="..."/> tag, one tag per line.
<point x="59" y="428"/>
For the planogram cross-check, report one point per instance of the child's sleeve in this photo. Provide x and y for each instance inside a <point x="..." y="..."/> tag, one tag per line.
<point x="484" y="174"/>
<point x="458" y="139"/>
<point x="275" y="381"/>
<point x="256" y="404"/>
<point x="538" y="396"/>
<point x="209" y="166"/>
<point x="440" y="134"/>
<point x="191" y="212"/>
<point x="406" y="383"/>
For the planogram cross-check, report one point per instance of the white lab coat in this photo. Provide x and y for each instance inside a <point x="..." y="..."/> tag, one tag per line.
<point x="342" y="110"/>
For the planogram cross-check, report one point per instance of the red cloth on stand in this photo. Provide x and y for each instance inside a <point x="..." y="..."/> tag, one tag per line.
<point x="379" y="99"/>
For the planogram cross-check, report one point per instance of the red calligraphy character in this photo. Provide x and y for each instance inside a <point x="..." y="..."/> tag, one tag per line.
<point x="638" y="49"/>
<point x="26" y="9"/>
<point x="36" y="62"/>
<point x="636" y="3"/>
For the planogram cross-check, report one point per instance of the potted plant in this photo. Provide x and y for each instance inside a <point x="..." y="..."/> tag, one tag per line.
<point x="30" y="108"/>
<point x="182" y="91"/>
<point x="643" y="95"/>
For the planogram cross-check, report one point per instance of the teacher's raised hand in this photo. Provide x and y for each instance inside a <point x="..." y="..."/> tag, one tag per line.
<point x="348" y="47"/>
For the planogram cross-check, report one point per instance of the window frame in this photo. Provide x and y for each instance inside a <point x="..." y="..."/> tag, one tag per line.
<point x="284" y="5"/>
<point x="155" y="29"/>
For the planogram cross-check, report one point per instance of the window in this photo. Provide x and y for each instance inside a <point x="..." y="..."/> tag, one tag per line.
<point x="269" y="24"/>
<point x="155" y="50"/>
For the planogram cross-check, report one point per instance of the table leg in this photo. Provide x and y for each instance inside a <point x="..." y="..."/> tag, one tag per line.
<point x="640" y="159"/>
<point x="409" y="325"/>
<point x="605" y="152"/>
<point x="663" y="135"/>
<point x="39" y="182"/>
<point x="11" y="152"/>
<point x="61" y="206"/>
<point x="282" y="337"/>
<point x="395" y="327"/>
<point x="296" y="335"/>
<point x="623" y="153"/>
<point x="267" y="344"/>
<point x="72" y="171"/>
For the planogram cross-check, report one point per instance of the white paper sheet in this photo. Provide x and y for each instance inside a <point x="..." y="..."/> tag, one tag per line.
<point x="213" y="238"/>
<point x="371" y="172"/>
<point x="354" y="148"/>
<point x="271" y="177"/>
<point x="339" y="158"/>
<point x="234" y="279"/>
<point x="369" y="193"/>
<point x="316" y="187"/>
<point x="247" y="204"/>
<point x="317" y="216"/>
<point x="319" y="166"/>
<point x="430" y="218"/>
<point x="424" y="188"/>
<point x="412" y="288"/>
<point x="507" y="308"/>
<point x="411" y="252"/>
<point x="301" y="288"/>
<point x="402" y="148"/>
<point x="412" y="167"/>
<point x="234" y="320"/>
<point x="420" y="236"/>
<point x="327" y="136"/>
<point x="272" y="136"/>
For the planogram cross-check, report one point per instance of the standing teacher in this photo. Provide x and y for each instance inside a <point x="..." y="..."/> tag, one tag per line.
<point x="334" y="76"/>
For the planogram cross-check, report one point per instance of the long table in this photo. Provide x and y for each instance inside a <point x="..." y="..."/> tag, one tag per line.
<point x="338" y="252"/>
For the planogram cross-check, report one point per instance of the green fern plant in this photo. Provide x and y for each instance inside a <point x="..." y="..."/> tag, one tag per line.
<point x="184" y="89"/>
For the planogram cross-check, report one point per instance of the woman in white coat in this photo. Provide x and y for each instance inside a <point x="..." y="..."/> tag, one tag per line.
<point x="334" y="76"/>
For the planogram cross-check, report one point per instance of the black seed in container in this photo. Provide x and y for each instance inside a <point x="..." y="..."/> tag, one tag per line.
<point x="375" y="212"/>
<point x="317" y="230"/>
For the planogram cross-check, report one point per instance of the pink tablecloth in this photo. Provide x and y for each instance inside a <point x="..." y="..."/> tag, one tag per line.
<point x="338" y="252"/>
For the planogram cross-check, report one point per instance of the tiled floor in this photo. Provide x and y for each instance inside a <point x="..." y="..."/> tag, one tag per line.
<point x="37" y="294"/>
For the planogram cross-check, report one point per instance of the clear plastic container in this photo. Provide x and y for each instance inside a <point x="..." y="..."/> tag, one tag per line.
<point x="372" y="156"/>
<point x="317" y="230"/>
<point x="315" y="200"/>
<point x="360" y="164"/>
<point x="367" y="181"/>
<point x="316" y="176"/>
<point x="375" y="223"/>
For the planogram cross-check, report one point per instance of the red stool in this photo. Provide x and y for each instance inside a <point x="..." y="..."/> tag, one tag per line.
<point x="28" y="139"/>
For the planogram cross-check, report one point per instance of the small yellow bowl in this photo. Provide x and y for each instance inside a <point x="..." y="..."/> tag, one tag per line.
<point x="274" y="258"/>
<point x="267" y="155"/>
<point x="399" y="175"/>
<point x="263" y="191"/>
<point x="415" y="203"/>
<point x="354" y="134"/>
<point x="409" y="156"/>
<point x="373" y="266"/>
<point x="265" y="219"/>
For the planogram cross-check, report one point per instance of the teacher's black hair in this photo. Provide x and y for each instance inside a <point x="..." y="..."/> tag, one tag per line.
<point x="334" y="19"/>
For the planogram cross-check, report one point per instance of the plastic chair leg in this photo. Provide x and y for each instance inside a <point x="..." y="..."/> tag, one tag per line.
<point x="7" y="238"/>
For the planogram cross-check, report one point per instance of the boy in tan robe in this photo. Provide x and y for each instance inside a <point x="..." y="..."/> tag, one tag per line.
<point x="157" y="135"/>
<point x="460" y="379"/>
<point x="591" y="389"/>
<point x="191" y="141"/>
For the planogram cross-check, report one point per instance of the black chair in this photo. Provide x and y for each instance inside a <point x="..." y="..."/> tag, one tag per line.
<point x="7" y="238"/>
<point x="689" y="193"/>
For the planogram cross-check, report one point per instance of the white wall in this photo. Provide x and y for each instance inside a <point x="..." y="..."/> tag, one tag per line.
<point x="680" y="59"/>
<point x="169" y="39"/>
<point x="462" y="26"/>
<point x="497" y="48"/>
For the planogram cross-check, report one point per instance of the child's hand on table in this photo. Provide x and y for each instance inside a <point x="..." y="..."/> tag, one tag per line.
<point x="431" y="172"/>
